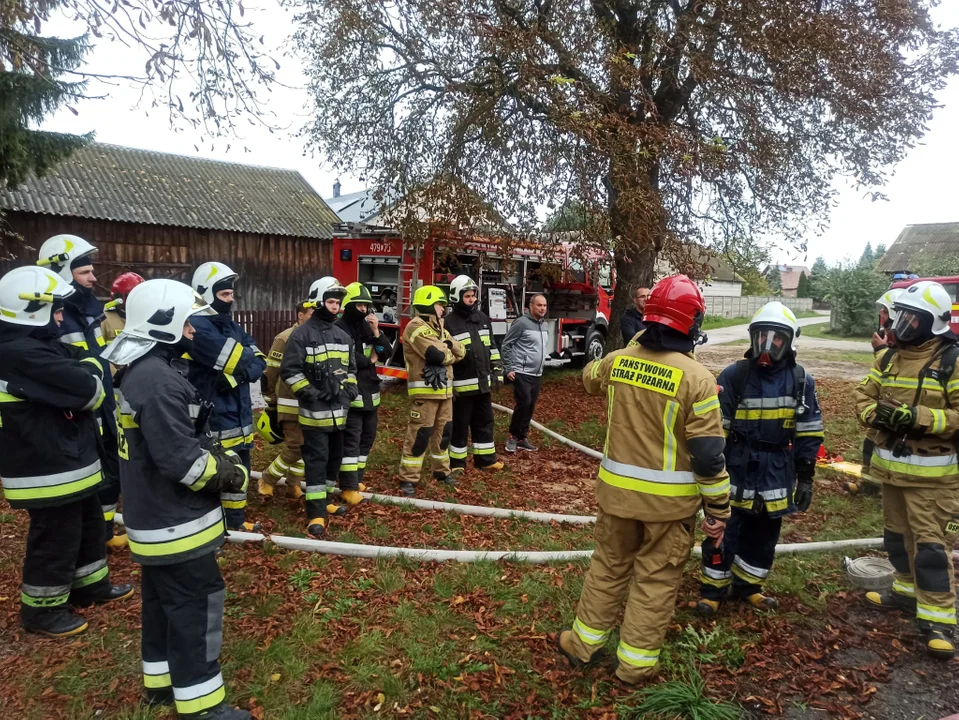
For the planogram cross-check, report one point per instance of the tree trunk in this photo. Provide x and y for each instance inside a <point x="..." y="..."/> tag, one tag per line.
<point x="632" y="270"/>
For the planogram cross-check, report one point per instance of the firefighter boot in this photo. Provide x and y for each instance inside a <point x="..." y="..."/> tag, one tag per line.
<point x="939" y="644"/>
<point x="247" y="526"/>
<point x="118" y="542"/>
<point x="263" y="488"/>
<point x="316" y="527"/>
<point x="408" y="489"/>
<point x="58" y="623"/>
<point x="493" y="467"/>
<point x="157" y="697"/>
<point x="707" y="608"/>
<point x="451" y="478"/>
<point x="564" y="644"/>
<point x="889" y="600"/>
<point x="224" y="712"/>
<point x="352" y="497"/>
<point x="762" y="602"/>
<point x="334" y="509"/>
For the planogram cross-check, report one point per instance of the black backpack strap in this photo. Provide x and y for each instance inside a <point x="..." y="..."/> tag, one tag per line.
<point x="799" y="388"/>
<point x="947" y="366"/>
<point x="887" y="358"/>
<point x="740" y="377"/>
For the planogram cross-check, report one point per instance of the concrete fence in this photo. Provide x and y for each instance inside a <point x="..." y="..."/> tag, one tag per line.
<point x="733" y="307"/>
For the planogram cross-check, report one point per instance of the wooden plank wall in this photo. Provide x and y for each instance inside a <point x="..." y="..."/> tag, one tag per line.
<point x="264" y="325"/>
<point x="275" y="271"/>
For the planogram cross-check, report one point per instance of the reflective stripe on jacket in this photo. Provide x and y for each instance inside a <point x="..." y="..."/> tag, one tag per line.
<point x="422" y="333"/>
<point x="926" y="455"/>
<point x="473" y="375"/>
<point x="663" y="457"/>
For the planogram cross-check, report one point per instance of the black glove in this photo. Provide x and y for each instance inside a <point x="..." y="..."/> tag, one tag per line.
<point x="434" y="356"/>
<point x="327" y="386"/>
<point x="448" y="343"/>
<point x="351" y="390"/>
<point x="896" y="418"/>
<point x="802" y="496"/>
<point x="223" y="383"/>
<point x="231" y="476"/>
<point x="435" y="376"/>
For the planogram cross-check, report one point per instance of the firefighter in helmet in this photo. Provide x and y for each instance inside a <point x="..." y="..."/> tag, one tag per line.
<point x="908" y="401"/>
<point x="115" y="313"/>
<point x="224" y="360"/>
<point x="49" y="461"/>
<point x="369" y="345"/>
<point x="429" y="351"/>
<point x="279" y="422"/>
<point x="663" y="462"/>
<point x="474" y="377"/>
<point x="773" y="430"/>
<point x="319" y="367"/>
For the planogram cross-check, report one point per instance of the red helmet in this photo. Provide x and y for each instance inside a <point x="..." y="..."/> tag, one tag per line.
<point x="677" y="303"/>
<point x="123" y="284"/>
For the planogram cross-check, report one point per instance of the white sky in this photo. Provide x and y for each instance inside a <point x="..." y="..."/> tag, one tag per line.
<point x="921" y="190"/>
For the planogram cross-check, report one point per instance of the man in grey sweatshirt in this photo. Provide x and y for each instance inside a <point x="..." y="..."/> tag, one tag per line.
<point x="524" y="351"/>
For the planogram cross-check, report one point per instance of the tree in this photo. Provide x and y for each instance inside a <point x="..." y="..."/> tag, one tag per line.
<point x="774" y="279"/>
<point x="754" y="283"/>
<point x="690" y="120"/>
<point x="867" y="259"/>
<point x="569" y="218"/>
<point x="804" y="289"/>
<point x="818" y="279"/>
<point x="31" y="87"/>
<point x="853" y="290"/>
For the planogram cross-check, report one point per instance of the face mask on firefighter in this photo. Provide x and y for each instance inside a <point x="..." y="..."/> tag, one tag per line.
<point x="912" y="327"/>
<point x="769" y="344"/>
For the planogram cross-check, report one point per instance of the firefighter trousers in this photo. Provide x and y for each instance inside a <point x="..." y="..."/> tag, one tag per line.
<point x="322" y="454"/>
<point x="234" y="504"/>
<point x="358" y="440"/>
<point x="289" y="463"/>
<point x="183" y="633"/>
<point x="430" y="428"/>
<point x="473" y="414"/>
<point x="641" y="563"/>
<point x="66" y="559"/>
<point x="109" y="492"/>
<point x="921" y="528"/>
<point x="745" y="558"/>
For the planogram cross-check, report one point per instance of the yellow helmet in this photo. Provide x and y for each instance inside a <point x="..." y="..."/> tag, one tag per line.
<point x="357" y="293"/>
<point x="427" y="296"/>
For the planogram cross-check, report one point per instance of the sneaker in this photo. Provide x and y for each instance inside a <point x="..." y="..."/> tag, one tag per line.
<point x="511" y="444"/>
<point x="526" y="445"/>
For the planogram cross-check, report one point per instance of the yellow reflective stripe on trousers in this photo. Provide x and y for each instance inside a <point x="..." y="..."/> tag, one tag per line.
<point x="938" y="422"/>
<point x="637" y="657"/>
<point x="647" y="480"/>
<point x="904" y="588"/>
<point x="589" y="635"/>
<point x="916" y="465"/>
<point x="156" y="675"/>
<point x="707" y="405"/>
<point x="200" y="697"/>
<point x="936" y="614"/>
<point x="177" y="538"/>
<point x="669" y="440"/>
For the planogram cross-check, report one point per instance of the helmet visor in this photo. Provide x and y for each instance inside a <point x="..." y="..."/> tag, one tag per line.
<point x="200" y="306"/>
<point x="911" y="326"/>
<point x="772" y="342"/>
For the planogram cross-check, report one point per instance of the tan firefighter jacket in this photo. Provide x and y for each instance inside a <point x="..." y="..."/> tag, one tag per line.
<point x="664" y="442"/>
<point x="277" y="392"/>
<point x="926" y="455"/>
<point x="422" y="333"/>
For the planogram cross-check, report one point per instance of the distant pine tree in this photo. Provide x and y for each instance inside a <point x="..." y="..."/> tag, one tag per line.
<point x="30" y="90"/>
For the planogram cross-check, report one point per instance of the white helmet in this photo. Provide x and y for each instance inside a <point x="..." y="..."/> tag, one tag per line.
<point x="156" y="312"/>
<point x="773" y="320"/>
<point x="325" y="288"/>
<point x="208" y="275"/>
<point x="922" y="310"/>
<point x="888" y="301"/>
<point x="460" y="284"/>
<point x="59" y="252"/>
<point x="27" y="295"/>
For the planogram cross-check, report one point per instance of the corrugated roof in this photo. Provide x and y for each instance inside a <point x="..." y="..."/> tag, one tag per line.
<point x="921" y="246"/>
<point x="111" y="182"/>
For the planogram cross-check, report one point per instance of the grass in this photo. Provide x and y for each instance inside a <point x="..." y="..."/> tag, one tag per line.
<point x="822" y="332"/>
<point x="862" y="358"/>
<point x="683" y="698"/>
<point x="713" y="322"/>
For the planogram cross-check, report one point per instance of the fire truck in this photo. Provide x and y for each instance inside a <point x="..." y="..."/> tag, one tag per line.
<point x="950" y="283"/>
<point x="577" y="293"/>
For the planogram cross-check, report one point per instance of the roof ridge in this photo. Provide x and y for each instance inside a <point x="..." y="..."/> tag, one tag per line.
<point x="190" y="158"/>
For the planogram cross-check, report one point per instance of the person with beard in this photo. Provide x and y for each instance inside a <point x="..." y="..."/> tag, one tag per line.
<point x="319" y="367"/>
<point x="474" y="378"/>
<point x="663" y="461"/>
<point x="774" y="429"/>
<point x="224" y="360"/>
<point x="49" y="456"/>
<point x="114" y="312"/>
<point x="173" y="473"/>
<point x="369" y="346"/>
<point x="71" y="257"/>
<point x="909" y="402"/>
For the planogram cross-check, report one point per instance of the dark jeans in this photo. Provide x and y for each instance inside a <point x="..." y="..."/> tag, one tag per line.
<point x="525" y="393"/>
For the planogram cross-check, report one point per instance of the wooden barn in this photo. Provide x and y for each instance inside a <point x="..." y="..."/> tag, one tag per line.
<point x="162" y="215"/>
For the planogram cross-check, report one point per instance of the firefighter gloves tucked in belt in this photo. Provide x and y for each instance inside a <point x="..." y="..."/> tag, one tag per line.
<point x="894" y="416"/>
<point x="435" y="376"/>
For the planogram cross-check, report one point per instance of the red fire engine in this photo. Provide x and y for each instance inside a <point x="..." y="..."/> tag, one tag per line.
<point x="579" y="304"/>
<point x="951" y="285"/>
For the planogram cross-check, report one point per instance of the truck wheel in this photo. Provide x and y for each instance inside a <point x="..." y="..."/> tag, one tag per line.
<point x="594" y="346"/>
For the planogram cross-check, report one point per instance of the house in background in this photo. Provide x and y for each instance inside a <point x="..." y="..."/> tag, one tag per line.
<point x="790" y="275"/>
<point x="162" y="215"/>
<point x="721" y="282"/>
<point x="922" y="247"/>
